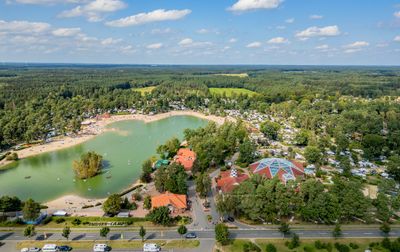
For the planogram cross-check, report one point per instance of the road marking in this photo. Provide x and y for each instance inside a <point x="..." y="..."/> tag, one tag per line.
<point x="368" y="233"/>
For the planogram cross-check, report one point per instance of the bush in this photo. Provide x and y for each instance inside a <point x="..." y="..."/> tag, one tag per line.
<point x="12" y="157"/>
<point x="60" y="220"/>
<point x="386" y="243"/>
<point x="270" y="248"/>
<point x="308" y="248"/>
<point x="137" y="196"/>
<point x="294" y="242"/>
<point x="47" y="220"/>
<point x="342" y="247"/>
<point x="354" y="245"/>
<point x="76" y="222"/>
<point x="250" y="247"/>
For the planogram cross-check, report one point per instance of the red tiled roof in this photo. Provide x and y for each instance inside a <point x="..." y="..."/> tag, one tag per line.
<point x="178" y="201"/>
<point x="186" y="157"/>
<point x="227" y="183"/>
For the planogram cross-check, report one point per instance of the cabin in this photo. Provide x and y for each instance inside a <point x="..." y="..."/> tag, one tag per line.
<point x="186" y="158"/>
<point x="228" y="180"/>
<point x="177" y="203"/>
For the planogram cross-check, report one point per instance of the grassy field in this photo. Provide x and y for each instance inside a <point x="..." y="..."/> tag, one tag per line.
<point x="306" y="245"/>
<point x="174" y="244"/>
<point x="144" y="90"/>
<point x="230" y="91"/>
<point x="240" y="75"/>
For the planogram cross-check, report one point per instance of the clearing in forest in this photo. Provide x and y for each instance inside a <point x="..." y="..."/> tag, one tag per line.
<point x="231" y="91"/>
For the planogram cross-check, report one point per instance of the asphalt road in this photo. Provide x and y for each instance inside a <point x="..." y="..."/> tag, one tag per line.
<point x="206" y="237"/>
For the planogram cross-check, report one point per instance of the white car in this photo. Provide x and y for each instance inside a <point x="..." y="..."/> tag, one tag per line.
<point x="24" y="250"/>
<point x="151" y="247"/>
<point x="101" y="248"/>
<point x="34" y="249"/>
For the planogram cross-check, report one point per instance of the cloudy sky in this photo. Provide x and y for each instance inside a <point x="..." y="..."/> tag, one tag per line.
<point x="361" y="32"/>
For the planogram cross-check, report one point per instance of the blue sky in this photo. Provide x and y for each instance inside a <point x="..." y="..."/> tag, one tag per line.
<point x="293" y="32"/>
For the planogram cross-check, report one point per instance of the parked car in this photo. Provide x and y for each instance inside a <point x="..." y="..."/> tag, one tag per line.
<point x="190" y="236"/>
<point x="34" y="249"/>
<point x="64" y="248"/>
<point x="231" y="219"/>
<point x="101" y="248"/>
<point x="151" y="247"/>
<point x="50" y="248"/>
<point x="24" y="250"/>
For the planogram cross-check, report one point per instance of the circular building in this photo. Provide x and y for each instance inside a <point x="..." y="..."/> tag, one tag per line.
<point x="271" y="167"/>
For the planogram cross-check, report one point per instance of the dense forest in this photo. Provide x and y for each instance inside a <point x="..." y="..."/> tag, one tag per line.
<point x="354" y="105"/>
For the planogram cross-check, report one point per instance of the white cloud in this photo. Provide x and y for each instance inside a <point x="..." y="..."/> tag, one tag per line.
<point x="66" y="32"/>
<point x="154" y="46"/>
<point x="278" y="40"/>
<point x="357" y="44"/>
<point x="233" y="40"/>
<point x="246" y="5"/>
<point x="154" y="16"/>
<point x="110" y="41"/>
<point x="314" y="31"/>
<point x="255" y="44"/>
<point x="161" y="31"/>
<point x="202" y="31"/>
<point x="188" y="42"/>
<point x="21" y="26"/>
<point x="94" y="9"/>
<point x="44" y="2"/>
<point x="397" y="38"/>
<point x="289" y="20"/>
<point x="322" y="47"/>
<point x="397" y="14"/>
<point x="316" y="16"/>
<point x="355" y="47"/>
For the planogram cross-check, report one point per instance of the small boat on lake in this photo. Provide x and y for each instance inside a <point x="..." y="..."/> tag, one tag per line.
<point x="27" y="177"/>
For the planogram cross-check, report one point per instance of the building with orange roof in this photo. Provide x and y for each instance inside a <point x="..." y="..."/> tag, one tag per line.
<point x="228" y="180"/>
<point x="177" y="203"/>
<point x="186" y="158"/>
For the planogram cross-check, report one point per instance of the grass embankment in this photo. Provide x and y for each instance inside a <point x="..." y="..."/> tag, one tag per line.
<point x="231" y="91"/>
<point x="173" y="244"/>
<point x="92" y="222"/>
<point x="144" y="90"/>
<point x="306" y="244"/>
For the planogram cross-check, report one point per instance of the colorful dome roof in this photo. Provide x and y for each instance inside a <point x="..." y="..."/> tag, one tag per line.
<point x="284" y="169"/>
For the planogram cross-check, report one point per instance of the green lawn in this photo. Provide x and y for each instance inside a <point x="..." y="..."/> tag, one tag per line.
<point x="237" y="245"/>
<point x="137" y="244"/>
<point x="144" y="90"/>
<point x="230" y="91"/>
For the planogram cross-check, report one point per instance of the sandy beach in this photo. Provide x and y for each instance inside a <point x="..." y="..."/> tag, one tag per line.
<point x="98" y="127"/>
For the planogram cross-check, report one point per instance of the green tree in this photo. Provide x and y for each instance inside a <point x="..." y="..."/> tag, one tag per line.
<point x="31" y="210"/>
<point x="246" y="152"/>
<point x="142" y="233"/>
<point x="313" y="155"/>
<point x="88" y="166"/>
<point x="113" y="204"/>
<point x="104" y="232"/>
<point x="284" y="228"/>
<point x="147" y="202"/>
<point x="270" y="248"/>
<point x="294" y="242"/>
<point x="66" y="232"/>
<point x="171" y="178"/>
<point x="203" y="184"/>
<point x="29" y="231"/>
<point x="160" y="215"/>
<point x="222" y="233"/>
<point x="372" y="145"/>
<point x="169" y="149"/>
<point x="12" y="157"/>
<point x="10" y="204"/>
<point x="147" y="169"/>
<point x="270" y="129"/>
<point x="337" y="231"/>
<point x="182" y="230"/>
<point x="302" y="138"/>
<point x="393" y="167"/>
<point x="385" y="228"/>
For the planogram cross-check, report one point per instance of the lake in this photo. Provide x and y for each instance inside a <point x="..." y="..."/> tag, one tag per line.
<point x="123" y="149"/>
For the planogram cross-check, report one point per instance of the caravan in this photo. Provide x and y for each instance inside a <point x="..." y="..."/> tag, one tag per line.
<point x="151" y="247"/>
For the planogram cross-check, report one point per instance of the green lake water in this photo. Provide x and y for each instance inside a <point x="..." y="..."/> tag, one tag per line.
<point x="123" y="150"/>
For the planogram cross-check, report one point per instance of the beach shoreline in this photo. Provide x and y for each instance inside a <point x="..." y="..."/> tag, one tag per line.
<point x="99" y="127"/>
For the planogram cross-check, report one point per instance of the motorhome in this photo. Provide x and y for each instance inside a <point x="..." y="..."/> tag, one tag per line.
<point x="50" y="248"/>
<point x="151" y="247"/>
